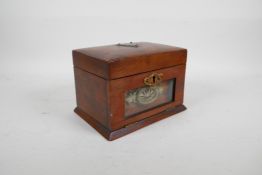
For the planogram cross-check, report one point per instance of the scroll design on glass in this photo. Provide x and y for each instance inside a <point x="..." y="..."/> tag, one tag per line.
<point x="147" y="97"/>
<point x="144" y="95"/>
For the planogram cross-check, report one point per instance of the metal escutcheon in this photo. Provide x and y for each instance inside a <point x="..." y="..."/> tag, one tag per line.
<point x="153" y="79"/>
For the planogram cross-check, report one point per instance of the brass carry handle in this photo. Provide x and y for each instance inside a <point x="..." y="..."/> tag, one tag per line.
<point x="153" y="79"/>
<point x="130" y="44"/>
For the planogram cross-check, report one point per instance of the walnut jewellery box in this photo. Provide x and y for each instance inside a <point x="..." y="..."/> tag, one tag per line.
<point x="121" y="88"/>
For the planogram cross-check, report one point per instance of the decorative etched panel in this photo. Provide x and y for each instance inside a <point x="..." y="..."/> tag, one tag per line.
<point x="147" y="97"/>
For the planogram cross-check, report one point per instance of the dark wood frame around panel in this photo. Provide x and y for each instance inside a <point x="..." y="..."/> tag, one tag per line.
<point x="118" y="87"/>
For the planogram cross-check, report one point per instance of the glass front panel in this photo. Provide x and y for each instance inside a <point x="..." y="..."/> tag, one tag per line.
<point x="147" y="97"/>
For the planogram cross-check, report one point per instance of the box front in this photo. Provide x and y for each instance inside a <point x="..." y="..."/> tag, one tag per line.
<point x="136" y="97"/>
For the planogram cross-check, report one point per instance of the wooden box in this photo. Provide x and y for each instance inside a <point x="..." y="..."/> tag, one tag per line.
<point x="123" y="87"/>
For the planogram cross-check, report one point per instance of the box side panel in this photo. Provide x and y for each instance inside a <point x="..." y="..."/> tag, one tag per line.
<point x="91" y="94"/>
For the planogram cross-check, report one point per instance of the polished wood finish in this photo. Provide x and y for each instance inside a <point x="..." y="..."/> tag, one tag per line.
<point x="103" y="75"/>
<point x="113" y="61"/>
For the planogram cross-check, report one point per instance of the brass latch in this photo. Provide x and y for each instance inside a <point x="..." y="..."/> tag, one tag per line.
<point x="153" y="79"/>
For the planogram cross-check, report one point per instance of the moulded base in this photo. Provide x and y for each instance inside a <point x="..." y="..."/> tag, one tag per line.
<point x="112" y="135"/>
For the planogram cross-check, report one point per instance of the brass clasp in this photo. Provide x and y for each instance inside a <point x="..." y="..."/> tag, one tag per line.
<point x="153" y="79"/>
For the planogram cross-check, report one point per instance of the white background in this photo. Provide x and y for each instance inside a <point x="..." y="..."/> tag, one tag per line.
<point x="219" y="134"/>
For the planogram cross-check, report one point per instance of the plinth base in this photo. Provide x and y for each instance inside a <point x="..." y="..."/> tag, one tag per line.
<point x="112" y="135"/>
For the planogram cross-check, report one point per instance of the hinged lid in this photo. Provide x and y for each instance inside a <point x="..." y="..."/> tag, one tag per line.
<point x="125" y="59"/>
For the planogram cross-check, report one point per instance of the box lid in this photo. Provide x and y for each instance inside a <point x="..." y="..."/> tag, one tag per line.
<point x="121" y="60"/>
